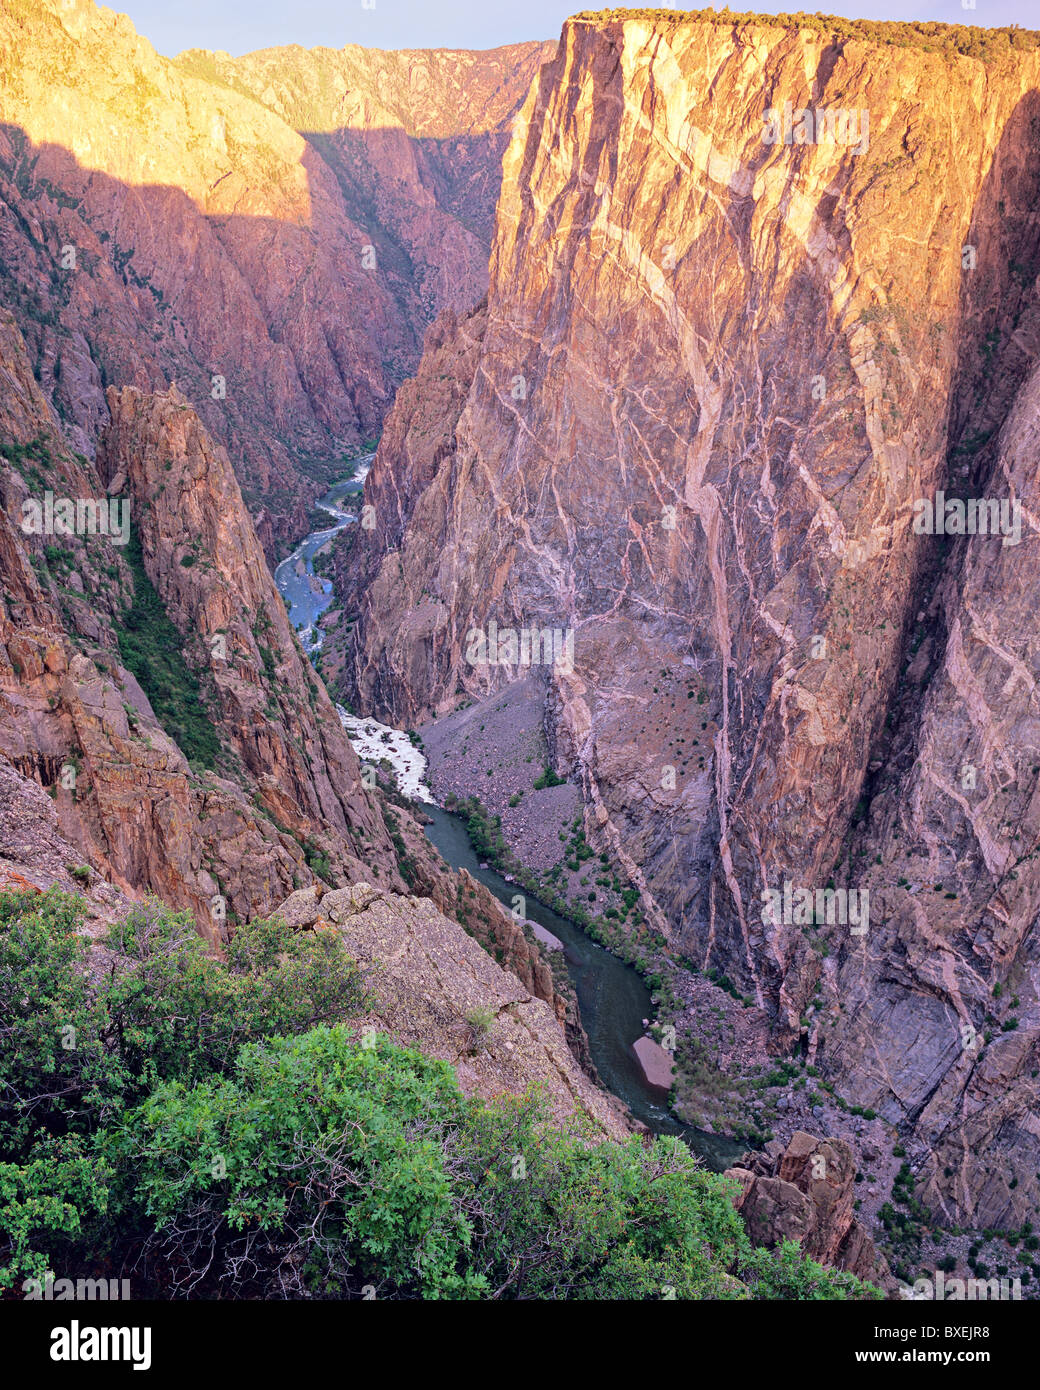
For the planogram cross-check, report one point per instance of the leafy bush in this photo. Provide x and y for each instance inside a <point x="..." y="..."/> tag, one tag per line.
<point x="323" y="1166"/>
<point x="74" y="1054"/>
<point x="548" y="778"/>
<point x="214" y="1131"/>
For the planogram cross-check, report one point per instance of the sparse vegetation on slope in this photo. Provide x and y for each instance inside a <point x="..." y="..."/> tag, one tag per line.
<point x="968" y="40"/>
<point x="150" y="647"/>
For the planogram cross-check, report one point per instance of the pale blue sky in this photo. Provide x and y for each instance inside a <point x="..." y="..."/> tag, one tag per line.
<point x="242" y="25"/>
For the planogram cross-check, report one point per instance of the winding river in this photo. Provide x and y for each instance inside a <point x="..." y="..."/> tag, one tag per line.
<point x="306" y="595"/>
<point x="613" y="999"/>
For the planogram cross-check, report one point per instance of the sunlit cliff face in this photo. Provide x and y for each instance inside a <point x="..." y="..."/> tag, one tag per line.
<point x="718" y="375"/>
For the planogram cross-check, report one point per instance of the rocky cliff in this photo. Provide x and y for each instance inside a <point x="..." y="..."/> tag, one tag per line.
<point x="221" y="779"/>
<point x="272" y="233"/>
<point x="439" y="991"/>
<point x="273" y="788"/>
<point x="718" y="374"/>
<point x="805" y="1193"/>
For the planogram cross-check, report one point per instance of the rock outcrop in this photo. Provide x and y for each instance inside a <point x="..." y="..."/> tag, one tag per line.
<point x="282" y="802"/>
<point x="35" y="855"/>
<point x="437" y="990"/>
<point x="805" y="1194"/>
<point x="716" y="378"/>
<point x="227" y="840"/>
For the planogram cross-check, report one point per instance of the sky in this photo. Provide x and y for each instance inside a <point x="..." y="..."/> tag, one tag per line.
<point x="240" y="26"/>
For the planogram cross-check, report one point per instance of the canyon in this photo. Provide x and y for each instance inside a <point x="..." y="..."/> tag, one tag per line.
<point x="639" y="378"/>
<point x="711" y="378"/>
<point x="275" y="248"/>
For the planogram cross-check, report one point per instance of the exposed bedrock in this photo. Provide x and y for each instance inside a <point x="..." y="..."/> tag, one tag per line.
<point x="713" y="378"/>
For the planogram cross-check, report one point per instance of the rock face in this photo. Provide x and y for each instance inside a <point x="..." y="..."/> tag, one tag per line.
<point x="482" y="916"/>
<point x="805" y="1194"/>
<point x="92" y="779"/>
<point x="202" y="555"/>
<point x="714" y="378"/>
<point x="418" y="441"/>
<point x="437" y="990"/>
<point x="34" y="854"/>
<point x="948" y="1031"/>
<point x="228" y="841"/>
<point x="273" y="233"/>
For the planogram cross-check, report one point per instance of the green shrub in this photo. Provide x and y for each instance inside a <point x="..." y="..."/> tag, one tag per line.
<point x="215" y="1124"/>
<point x="150" y="648"/>
<point x="332" y="1166"/>
<point x="548" y="778"/>
<point x="75" y="1055"/>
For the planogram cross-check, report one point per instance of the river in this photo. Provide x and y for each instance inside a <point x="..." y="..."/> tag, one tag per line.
<point x="306" y="594"/>
<point x="612" y="997"/>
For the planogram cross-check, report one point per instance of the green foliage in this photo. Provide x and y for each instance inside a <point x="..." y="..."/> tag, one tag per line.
<point x="548" y="778"/>
<point x="37" y="449"/>
<point x="335" y="1166"/>
<point x="406" y="862"/>
<point x="214" y="1122"/>
<point x="261" y="631"/>
<point x="75" y="1054"/>
<point x="485" y="832"/>
<point x="481" y="1023"/>
<point x="786" y="1273"/>
<point x="150" y="648"/>
<point x="318" y="862"/>
<point x="44" y="1001"/>
<point x="55" y="1198"/>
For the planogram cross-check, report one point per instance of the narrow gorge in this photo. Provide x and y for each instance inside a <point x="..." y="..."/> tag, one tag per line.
<point x="690" y="424"/>
<point x="629" y="444"/>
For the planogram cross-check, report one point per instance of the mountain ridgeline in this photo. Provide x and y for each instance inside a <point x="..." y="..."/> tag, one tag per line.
<point x="274" y="245"/>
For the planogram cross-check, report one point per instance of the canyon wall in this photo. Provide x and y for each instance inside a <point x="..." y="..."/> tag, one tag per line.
<point x="286" y="222"/>
<point x="274" y="785"/>
<point x="221" y="780"/>
<point x="270" y="233"/>
<point x="714" y="376"/>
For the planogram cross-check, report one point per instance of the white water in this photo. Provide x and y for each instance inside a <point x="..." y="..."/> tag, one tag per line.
<point x="306" y="597"/>
<point x="373" y="741"/>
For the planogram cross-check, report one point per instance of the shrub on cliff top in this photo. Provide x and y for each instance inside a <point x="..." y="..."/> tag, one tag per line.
<point x="323" y="1166"/>
<point x="204" y="1123"/>
<point x="76" y="1052"/>
<point x="931" y="36"/>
